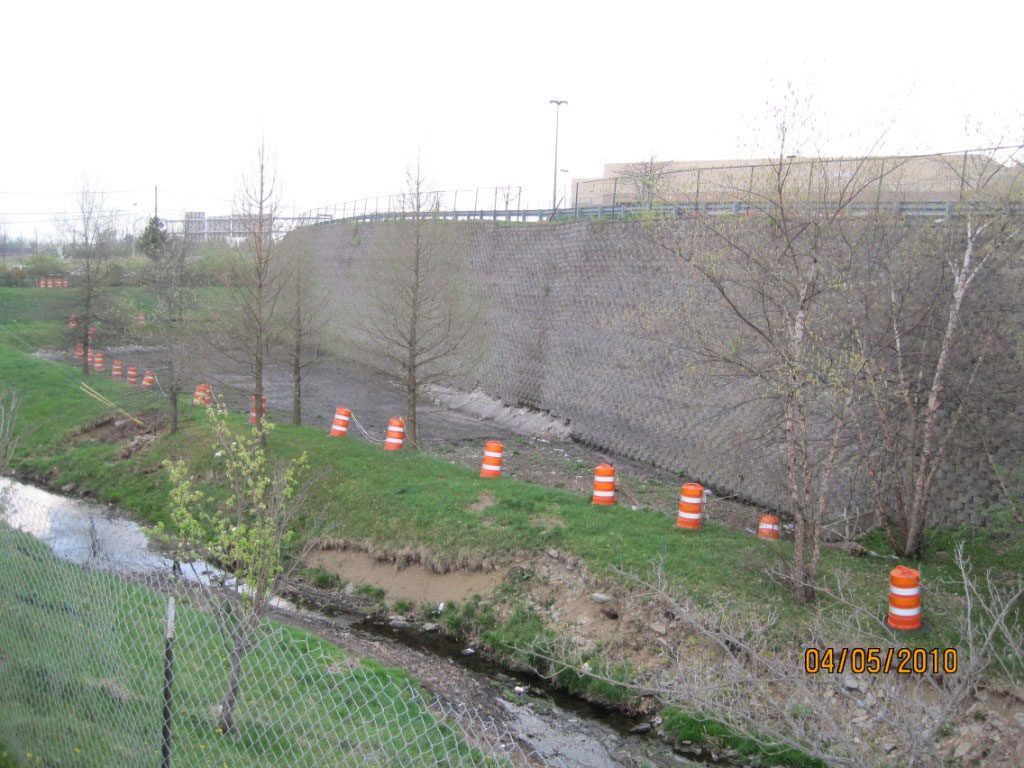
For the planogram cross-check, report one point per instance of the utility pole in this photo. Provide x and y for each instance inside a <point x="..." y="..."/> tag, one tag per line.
<point x="155" y="214"/>
<point x="554" y="184"/>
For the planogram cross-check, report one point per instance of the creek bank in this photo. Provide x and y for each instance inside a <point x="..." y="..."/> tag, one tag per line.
<point x="564" y="732"/>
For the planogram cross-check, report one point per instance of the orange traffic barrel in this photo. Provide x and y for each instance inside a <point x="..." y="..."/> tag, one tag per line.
<point x="116" y="370"/>
<point x="42" y="283"/>
<point x="90" y="357"/>
<point x="97" y="361"/>
<point x="604" y="484"/>
<point x="493" y="452"/>
<point x="73" y="322"/>
<point x="768" y="527"/>
<point x="203" y="395"/>
<point x="339" y="426"/>
<point x="396" y="435"/>
<point x="133" y="375"/>
<point x="79" y="350"/>
<point x="904" y="598"/>
<point x="148" y="380"/>
<point x="252" y="409"/>
<point x="691" y="506"/>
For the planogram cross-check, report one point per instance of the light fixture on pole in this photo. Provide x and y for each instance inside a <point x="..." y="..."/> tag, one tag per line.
<point x="554" y="184"/>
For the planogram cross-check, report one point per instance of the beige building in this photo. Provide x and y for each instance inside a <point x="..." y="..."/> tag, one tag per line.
<point x="925" y="178"/>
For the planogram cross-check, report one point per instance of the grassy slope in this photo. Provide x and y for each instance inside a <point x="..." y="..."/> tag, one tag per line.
<point x="83" y="672"/>
<point x="409" y="500"/>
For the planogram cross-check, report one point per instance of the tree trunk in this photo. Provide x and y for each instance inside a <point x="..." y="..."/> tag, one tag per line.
<point x="297" y="372"/>
<point x="410" y="408"/>
<point x="227" y="708"/>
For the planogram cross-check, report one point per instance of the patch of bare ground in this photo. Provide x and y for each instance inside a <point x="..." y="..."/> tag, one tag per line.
<point x="484" y="501"/>
<point x="119" y="428"/>
<point x="410" y="574"/>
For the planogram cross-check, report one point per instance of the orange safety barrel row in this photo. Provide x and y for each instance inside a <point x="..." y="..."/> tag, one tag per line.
<point x="116" y="369"/>
<point x="97" y="362"/>
<point x="342" y="416"/>
<point x="494" y="451"/>
<point x="148" y="380"/>
<point x="133" y="375"/>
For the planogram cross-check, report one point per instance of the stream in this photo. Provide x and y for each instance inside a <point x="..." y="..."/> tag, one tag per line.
<point x="566" y="732"/>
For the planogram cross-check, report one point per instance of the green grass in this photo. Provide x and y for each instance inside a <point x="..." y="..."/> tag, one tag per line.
<point x="7" y="758"/>
<point x="82" y="671"/>
<point x="322" y="579"/>
<point x="711" y="734"/>
<point x="408" y="499"/>
<point x="35" y="318"/>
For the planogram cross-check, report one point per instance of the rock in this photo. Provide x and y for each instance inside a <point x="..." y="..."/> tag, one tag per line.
<point x="67" y="488"/>
<point x="468" y="651"/>
<point x="350" y="588"/>
<point x="961" y="750"/>
<point x="889" y="747"/>
<point x="642" y="728"/>
<point x="851" y="683"/>
<point x="553" y="554"/>
<point x="428" y="627"/>
<point x="397" y="622"/>
<point x="600" y="598"/>
<point x="521" y="690"/>
<point x="659" y="628"/>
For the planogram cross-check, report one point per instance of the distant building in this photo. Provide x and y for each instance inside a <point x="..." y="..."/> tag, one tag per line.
<point x="231" y="229"/>
<point x="931" y="178"/>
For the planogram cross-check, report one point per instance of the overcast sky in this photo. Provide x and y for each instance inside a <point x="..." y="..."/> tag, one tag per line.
<point x="179" y="94"/>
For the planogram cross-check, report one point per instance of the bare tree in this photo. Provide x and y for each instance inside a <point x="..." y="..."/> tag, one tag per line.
<point x="89" y="234"/>
<point x="3" y="244"/>
<point x="173" y="329"/>
<point x="420" y="317"/>
<point x="255" y="284"/>
<point x="303" y="316"/>
<point x="648" y="180"/>
<point x="920" y="359"/>
<point x="774" y="288"/>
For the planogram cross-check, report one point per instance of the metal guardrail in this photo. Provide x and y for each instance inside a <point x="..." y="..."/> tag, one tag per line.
<point x="922" y="209"/>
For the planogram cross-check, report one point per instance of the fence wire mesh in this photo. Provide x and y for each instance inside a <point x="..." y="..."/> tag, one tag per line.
<point x="83" y="609"/>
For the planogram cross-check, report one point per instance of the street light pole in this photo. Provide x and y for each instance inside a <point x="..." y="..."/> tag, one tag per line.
<point x="554" y="185"/>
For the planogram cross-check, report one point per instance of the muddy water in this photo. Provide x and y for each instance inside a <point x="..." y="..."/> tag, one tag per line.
<point x="565" y="732"/>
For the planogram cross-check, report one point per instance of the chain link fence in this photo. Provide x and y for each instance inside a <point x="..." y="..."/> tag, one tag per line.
<point x="95" y="672"/>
